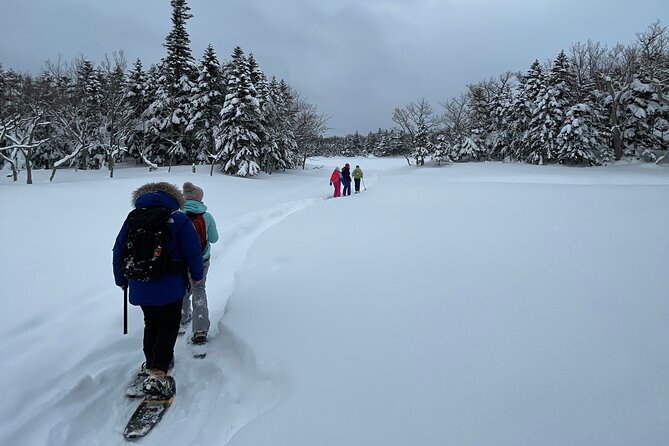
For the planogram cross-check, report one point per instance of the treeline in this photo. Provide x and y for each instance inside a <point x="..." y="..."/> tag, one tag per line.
<point x="175" y="112"/>
<point x="588" y="106"/>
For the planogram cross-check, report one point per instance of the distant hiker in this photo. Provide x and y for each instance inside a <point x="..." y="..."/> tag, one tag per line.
<point x="205" y="226"/>
<point x="357" y="176"/>
<point x="155" y="250"/>
<point x="346" y="179"/>
<point x="335" y="180"/>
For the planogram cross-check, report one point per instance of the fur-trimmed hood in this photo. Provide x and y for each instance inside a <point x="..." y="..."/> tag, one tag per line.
<point x="170" y="189"/>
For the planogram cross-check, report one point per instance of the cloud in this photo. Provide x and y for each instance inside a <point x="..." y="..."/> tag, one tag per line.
<point x="355" y="60"/>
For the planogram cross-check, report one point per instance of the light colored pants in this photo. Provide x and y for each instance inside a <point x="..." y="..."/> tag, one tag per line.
<point x="200" y="313"/>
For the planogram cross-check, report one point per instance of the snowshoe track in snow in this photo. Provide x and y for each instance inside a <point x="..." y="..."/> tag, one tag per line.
<point x="228" y="381"/>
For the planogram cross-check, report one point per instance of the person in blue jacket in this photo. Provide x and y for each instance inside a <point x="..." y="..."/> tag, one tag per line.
<point x="161" y="298"/>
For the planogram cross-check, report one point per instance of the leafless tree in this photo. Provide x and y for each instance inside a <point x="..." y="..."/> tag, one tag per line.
<point x="624" y="64"/>
<point x="20" y="132"/>
<point x="310" y="126"/>
<point x="116" y="115"/>
<point x="456" y="116"/>
<point x="412" y="117"/>
<point x="653" y="50"/>
<point x="7" y="153"/>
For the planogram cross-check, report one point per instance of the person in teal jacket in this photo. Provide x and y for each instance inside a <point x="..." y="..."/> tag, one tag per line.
<point x="200" y="312"/>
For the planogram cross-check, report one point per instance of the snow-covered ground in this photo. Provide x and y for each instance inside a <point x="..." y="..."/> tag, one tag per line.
<point x="474" y="304"/>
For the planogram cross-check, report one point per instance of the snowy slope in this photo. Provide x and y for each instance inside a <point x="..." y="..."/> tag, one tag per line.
<point x="468" y="304"/>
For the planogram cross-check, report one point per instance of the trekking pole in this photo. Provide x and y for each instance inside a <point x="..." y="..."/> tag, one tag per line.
<point x="363" y="183"/>
<point x="125" y="310"/>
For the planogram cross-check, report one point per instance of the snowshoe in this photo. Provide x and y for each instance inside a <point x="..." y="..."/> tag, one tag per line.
<point x="199" y="337"/>
<point x="159" y="385"/>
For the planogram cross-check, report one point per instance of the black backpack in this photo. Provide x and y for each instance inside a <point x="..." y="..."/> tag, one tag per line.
<point x="144" y="255"/>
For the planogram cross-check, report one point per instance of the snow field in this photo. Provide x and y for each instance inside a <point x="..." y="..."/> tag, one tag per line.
<point x="468" y="304"/>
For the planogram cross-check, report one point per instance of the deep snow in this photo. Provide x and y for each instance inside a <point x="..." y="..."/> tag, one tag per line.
<point x="475" y="304"/>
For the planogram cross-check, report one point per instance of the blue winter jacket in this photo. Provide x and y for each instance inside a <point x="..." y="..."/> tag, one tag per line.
<point x="184" y="245"/>
<point x="197" y="207"/>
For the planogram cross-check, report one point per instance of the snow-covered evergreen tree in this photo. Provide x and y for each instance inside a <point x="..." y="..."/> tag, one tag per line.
<point x="170" y="113"/>
<point x="521" y="110"/>
<point x="578" y="141"/>
<point x="89" y="85"/>
<point x="89" y="91"/>
<point x="468" y="150"/>
<point x="440" y="150"/>
<point x="480" y="118"/>
<point x="644" y="109"/>
<point x="179" y="62"/>
<point x="208" y="97"/>
<point x="268" y="145"/>
<point x="382" y="146"/>
<point x="370" y="143"/>
<point x="157" y="119"/>
<point x="598" y="117"/>
<point x="422" y="146"/>
<point x="238" y="140"/>
<point x="137" y="100"/>
<point x="499" y="139"/>
<point x="554" y="99"/>
<point x="259" y="81"/>
<point x="280" y="124"/>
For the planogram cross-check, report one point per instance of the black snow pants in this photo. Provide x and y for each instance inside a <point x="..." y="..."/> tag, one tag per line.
<point x="161" y="328"/>
<point x="347" y="188"/>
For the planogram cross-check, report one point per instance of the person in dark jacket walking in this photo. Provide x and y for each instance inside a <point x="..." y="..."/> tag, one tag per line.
<point x="161" y="297"/>
<point x="346" y="179"/>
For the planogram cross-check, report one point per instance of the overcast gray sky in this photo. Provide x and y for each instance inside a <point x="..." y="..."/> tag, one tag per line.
<point x="356" y="60"/>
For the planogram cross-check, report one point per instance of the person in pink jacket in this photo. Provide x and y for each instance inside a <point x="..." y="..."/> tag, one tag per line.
<point x="335" y="180"/>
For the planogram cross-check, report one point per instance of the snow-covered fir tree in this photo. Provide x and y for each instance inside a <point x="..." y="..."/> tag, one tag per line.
<point x="208" y="97"/>
<point x="179" y="62"/>
<point x="157" y="118"/>
<point x="137" y="100"/>
<point x="500" y="106"/>
<point x="644" y="110"/>
<point x="370" y="143"/>
<point x="599" y="115"/>
<point x="268" y="146"/>
<point x="259" y="81"/>
<point x="578" y="141"/>
<point x="522" y="111"/>
<point x="238" y="140"/>
<point x="480" y="118"/>
<point x="88" y="89"/>
<point x="89" y="84"/>
<point x="554" y="99"/>
<point x="170" y="113"/>
<point x="468" y="150"/>
<point x="280" y="125"/>
<point x="422" y="146"/>
<point x="382" y="146"/>
<point x="440" y="150"/>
